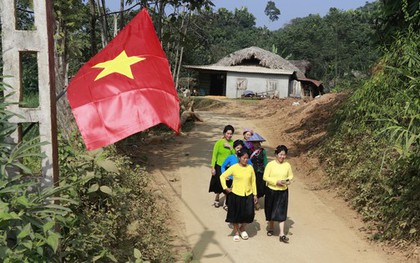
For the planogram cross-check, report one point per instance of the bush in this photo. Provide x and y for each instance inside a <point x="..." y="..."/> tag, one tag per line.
<point x="29" y="215"/>
<point x="373" y="152"/>
<point x="116" y="210"/>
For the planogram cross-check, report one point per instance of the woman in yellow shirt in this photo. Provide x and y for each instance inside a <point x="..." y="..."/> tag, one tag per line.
<point x="242" y="195"/>
<point x="278" y="175"/>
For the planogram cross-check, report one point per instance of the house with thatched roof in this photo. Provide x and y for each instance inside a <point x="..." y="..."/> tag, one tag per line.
<point x="250" y="70"/>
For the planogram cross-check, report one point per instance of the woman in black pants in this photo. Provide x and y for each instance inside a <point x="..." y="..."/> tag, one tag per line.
<point x="278" y="175"/>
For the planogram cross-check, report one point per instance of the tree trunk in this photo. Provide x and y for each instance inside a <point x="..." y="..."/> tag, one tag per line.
<point x="162" y="4"/>
<point x="115" y="24"/>
<point x="105" y="21"/>
<point x="175" y="57"/>
<point x="190" y="115"/>
<point x="121" y="14"/>
<point x="180" y="46"/>
<point x="65" y="119"/>
<point x="102" y="20"/>
<point x="93" y="47"/>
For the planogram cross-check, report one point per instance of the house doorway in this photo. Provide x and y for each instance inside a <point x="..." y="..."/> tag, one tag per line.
<point x="218" y="85"/>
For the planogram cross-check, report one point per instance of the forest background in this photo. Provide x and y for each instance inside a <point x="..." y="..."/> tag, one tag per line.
<point x="370" y="53"/>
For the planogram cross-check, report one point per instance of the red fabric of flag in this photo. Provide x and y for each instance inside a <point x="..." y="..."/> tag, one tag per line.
<point x="126" y="88"/>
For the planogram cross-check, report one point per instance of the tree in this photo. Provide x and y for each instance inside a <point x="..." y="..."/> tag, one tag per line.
<point x="398" y="15"/>
<point x="337" y="45"/>
<point x="272" y="11"/>
<point x="70" y="41"/>
<point x="214" y="34"/>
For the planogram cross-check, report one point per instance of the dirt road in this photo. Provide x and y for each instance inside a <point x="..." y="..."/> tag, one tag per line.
<point x="317" y="233"/>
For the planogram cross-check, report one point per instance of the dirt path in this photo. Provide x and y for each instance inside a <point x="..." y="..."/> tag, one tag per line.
<point x="321" y="228"/>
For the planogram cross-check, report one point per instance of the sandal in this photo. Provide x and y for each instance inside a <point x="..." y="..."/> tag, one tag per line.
<point x="225" y="207"/>
<point x="236" y="238"/>
<point x="216" y="203"/>
<point x="270" y="233"/>
<point x="284" y="239"/>
<point x="244" y="235"/>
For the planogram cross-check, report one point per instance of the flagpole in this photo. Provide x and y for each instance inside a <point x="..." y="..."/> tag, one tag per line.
<point x="53" y="99"/>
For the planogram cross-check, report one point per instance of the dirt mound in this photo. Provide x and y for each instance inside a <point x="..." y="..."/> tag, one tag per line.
<point x="302" y="121"/>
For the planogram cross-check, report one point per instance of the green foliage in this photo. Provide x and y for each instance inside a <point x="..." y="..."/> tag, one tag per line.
<point x="349" y="84"/>
<point x="396" y="16"/>
<point x="72" y="39"/>
<point x="339" y="46"/>
<point x="272" y="11"/>
<point x="6" y="127"/>
<point x="374" y="153"/>
<point x="28" y="215"/>
<point x="25" y="15"/>
<point x="116" y="209"/>
<point x="30" y="100"/>
<point x="214" y="34"/>
<point x="30" y="136"/>
<point x="29" y="84"/>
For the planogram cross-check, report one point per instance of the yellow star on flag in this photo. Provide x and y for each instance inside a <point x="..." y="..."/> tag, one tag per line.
<point x="121" y="64"/>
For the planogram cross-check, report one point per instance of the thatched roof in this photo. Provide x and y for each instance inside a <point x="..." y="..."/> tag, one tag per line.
<point x="302" y="65"/>
<point x="254" y="56"/>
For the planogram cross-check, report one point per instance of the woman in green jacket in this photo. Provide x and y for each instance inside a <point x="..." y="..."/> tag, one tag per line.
<point x="221" y="150"/>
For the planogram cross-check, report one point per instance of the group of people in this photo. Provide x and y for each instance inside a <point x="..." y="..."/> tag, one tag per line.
<point x="240" y="171"/>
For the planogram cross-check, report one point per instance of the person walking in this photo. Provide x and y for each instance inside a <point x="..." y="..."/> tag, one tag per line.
<point x="242" y="195"/>
<point x="278" y="175"/>
<point x="247" y="134"/>
<point x="229" y="161"/>
<point x="221" y="150"/>
<point x="259" y="161"/>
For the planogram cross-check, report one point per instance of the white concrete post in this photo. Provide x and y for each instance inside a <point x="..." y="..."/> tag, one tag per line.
<point x="40" y="41"/>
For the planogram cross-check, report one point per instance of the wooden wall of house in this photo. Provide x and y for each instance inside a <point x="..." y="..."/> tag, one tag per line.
<point x="295" y="89"/>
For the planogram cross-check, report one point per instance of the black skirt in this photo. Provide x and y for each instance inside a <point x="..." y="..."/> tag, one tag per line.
<point x="261" y="185"/>
<point x="215" y="185"/>
<point x="275" y="204"/>
<point x="241" y="209"/>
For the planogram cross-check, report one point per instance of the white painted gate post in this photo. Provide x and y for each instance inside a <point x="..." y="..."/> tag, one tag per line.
<point x="40" y="41"/>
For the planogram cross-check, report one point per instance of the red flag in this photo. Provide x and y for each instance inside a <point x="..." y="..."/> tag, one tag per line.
<point x="126" y="88"/>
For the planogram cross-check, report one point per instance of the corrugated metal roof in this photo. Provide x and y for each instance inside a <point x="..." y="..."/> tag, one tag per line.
<point x="314" y="81"/>
<point x="244" y="69"/>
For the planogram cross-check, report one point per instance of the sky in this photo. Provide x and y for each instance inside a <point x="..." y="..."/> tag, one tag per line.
<point x="289" y="8"/>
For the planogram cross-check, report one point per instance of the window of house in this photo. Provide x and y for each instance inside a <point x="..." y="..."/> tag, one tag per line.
<point x="241" y="84"/>
<point x="272" y="84"/>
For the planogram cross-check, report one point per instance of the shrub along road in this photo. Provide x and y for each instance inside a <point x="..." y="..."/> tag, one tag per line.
<point x="320" y="226"/>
